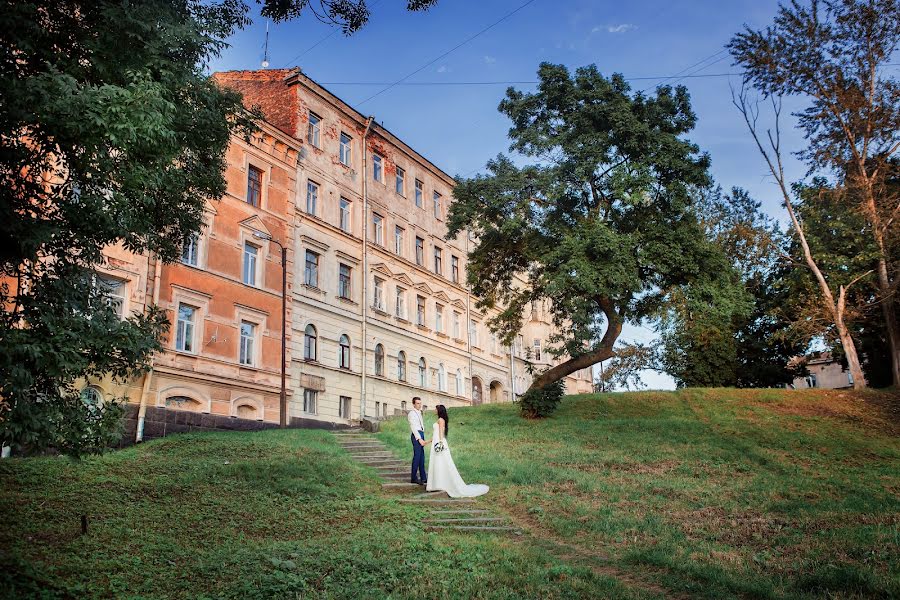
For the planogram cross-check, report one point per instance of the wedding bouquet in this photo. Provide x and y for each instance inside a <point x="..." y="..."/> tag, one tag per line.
<point x="439" y="446"/>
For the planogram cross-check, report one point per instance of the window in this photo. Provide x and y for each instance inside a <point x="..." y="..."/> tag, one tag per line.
<point x="473" y="333"/>
<point x="420" y="251"/>
<point x="92" y="398"/>
<point x="248" y="335"/>
<point x="439" y="318"/>
<point x="378" y="228"/>
<point x="344" y="152"/>
<point x="420" y="310"/>
<point x="309" y="401"/>
<point x="384" y="410"/>
<point x="190" y="250"/>
<point x="419" y="186"/>
<point x="442" y="378"/>
<point x="849" y="378"/>
<point x="345" y="215"/>
<point x="423" y="378"/>
<point x="377" y="168"/>
<point x="437" y="205"/>
<point x="400" y="183"/>
<point x="454" y="269"/>
<point x="312" y="130"/>
<point x="400" y="302"/>
<point x="520" y="345"/>
<point x="812" y="381"/>
<point x="379" y="294"/>
<point x="311" y="273"/>
<point x="456" y="317"/>
<point x="344" y="407"/>
<point x="254" y="185"/>
<point x="113" y="292"/>
<point x="344" y="282"/>
<point x="184" y="329"/>
<point x="537" y="349"/>
<point x="399" y="234"/>
<point x="401" y="366"/>
<point x="459" y="382"/>
<point x="250" y="255"/>
<point x="377" y="408"/>
<point x="403" y="405"/>
<point x="344" y="361"/>
<point x="438" y="267"/>
<point x="379" y="360"/>
<point x="312" y="196"/>
<point x="310" y="343"/>
<point x="495" y="346"/>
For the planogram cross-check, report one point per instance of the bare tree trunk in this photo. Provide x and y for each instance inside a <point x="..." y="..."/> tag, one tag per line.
<point x="776" y="167"/>
<point x="890" y="319"/>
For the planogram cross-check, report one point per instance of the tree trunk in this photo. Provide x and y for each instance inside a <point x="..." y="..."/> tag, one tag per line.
<point x="888" y="309"/>
<point x="602" y="353"/>
<point x="859" y="380"/>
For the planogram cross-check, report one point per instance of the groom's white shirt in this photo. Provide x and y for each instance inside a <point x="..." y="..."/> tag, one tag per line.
<point x="416" y="423"/>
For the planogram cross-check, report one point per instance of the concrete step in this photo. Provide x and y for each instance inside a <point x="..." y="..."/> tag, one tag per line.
<point x="363" y="447"/>
<point x="386" y="462"/>
<point x="400" y="485"/>
<point x="465" y="520"/>
<point x="433" y="501"/>
<point x="475" y="528"/>
<point x="372" y="454"/>
<point x="436" y="512"/>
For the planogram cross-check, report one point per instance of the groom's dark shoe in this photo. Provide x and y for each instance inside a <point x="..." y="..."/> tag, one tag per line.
<point x="416" y="481"/>
<point x="422" y="483"/>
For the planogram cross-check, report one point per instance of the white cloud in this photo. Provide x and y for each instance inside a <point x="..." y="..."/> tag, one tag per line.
<point x="489" y="60"/>
<point x="442" y="69"/>
<point x="620" y="28"/>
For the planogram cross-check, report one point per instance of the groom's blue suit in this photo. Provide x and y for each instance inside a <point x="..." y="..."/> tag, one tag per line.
<point x="418" y="463"/>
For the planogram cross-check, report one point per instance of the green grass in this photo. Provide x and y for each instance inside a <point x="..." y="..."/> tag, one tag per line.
<point x="706" y="493"/>
<point x="277" y="514"/>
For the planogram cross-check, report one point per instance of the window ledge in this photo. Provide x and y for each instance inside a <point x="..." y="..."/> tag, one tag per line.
<point x="402" y="320"/>
<point x="380" y="311"/>
<point x="348" y="300"/>
<point x="423" y="328"/>
<point x="313" y="288"/>
<point x="442" y="335"/>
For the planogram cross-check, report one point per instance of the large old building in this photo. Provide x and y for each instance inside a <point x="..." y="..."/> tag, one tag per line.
<point x="377" y="306"/>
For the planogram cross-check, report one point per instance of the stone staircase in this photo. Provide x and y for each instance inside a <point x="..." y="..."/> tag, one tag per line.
<point x="444" y="513"/>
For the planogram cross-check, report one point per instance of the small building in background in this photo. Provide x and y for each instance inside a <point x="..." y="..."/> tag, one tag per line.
<point x="824" y="371"/>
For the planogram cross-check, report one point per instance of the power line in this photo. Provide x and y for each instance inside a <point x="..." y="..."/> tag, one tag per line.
<point x="453" y="49"/>
<point x="686" y="69"/>
<point x="334" y="30"/>
<point x="510" y="82"/>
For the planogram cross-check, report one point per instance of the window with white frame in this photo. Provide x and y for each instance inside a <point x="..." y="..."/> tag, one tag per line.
<point x="184" y="328"/>
<point x="399" y="235"/>
<point x="456" y="325"/>
<point x="310" y="343"/>
<point x="344" y="151"/>
<point x="251" y="254"/>
<point x="312" y="196"/>
<point x="400" y="182"/>
<point x="344" y="356"/>
<point x="439" y="318"/>
<point x="113" y="292"/>
<point x="403" y="405"/>
<point x="344" y="407"/>
<point x="254" y="185"/>
<point x="190" y="250"/>
<point x="419" y="192"/>
<point x="309" y="401"/>
<point x="438" y="264"/>
<point x="378" y="289"/>
<point x="400" y="302"/>
<point x="377" y="408"/>
<point x="379" y="360"/>
<point x="454" y="269"/>
<point x="377" y="168"/>
<point x="344" y="282"/>
<point x="473" y="333"/>
<point x="442" y="378"/>
<point x="420" y="251"/>
<point x="91" y="397"/>
<point x="537" y="349"/>
<point x="311" y="271"/>
<point x="437" y="205"/>
<point x="401" y="366"/>
<point x="378" y="229"/>
<point x="423" y="374"/>
<point x="420" y="310"/>
<point x="345" y="223"/>
<point x="312" y="130"/>
<point x="520" y="345"/>
<point x="459" y="382"/>
<point x="248" y="341"/>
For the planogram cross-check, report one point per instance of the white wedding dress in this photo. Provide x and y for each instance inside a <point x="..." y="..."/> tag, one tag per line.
<point x="442" y="473"/>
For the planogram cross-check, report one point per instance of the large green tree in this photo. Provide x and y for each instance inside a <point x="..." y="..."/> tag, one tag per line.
<point x="111" y="134"/>
<point x="834" y="56"/>
<point x="600" y="223"/>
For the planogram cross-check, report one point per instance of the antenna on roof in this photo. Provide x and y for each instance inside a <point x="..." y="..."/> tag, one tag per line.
<point x="265" y="62"/>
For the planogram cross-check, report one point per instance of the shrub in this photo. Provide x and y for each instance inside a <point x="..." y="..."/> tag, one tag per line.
<point x="541" y="403"/>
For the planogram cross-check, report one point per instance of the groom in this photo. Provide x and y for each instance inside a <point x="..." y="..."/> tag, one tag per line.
<point x="417" y="437"/>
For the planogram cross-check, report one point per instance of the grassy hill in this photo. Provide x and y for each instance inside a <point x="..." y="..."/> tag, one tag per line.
<point x="713" y="493"/>
<point x="709" y="493"/>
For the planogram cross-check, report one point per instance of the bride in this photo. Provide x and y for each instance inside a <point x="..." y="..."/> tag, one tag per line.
<point x="442" y="473"/>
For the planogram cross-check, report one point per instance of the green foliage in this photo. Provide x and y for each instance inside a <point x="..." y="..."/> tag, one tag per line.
<point x="349" y="15"/>
<point x="111" y="134"/>
<point x="708" y="493"/>
<point x="539" y="403"/>
<point x="600" y="225"/>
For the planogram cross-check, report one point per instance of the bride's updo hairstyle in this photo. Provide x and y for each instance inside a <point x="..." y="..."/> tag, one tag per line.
<point x="442" y="413"/>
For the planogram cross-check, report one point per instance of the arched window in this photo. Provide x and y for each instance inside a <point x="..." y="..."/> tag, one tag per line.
<point x="92" y="397"/>
<point x="310" y="343"/>
<point x="401" y="366"/>
<point x="379" y="360"/>
<point x="459" y="382"/>
<point x="423" y="379"/>
<point x="442" y="378"/>
<point x="345" y="352"/>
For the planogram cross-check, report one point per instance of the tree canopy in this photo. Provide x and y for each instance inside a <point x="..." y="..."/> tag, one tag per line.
<point x="600" y="221"/>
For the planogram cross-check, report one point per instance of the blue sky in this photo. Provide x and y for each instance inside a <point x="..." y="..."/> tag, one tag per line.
<point x="458" y="127"/>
